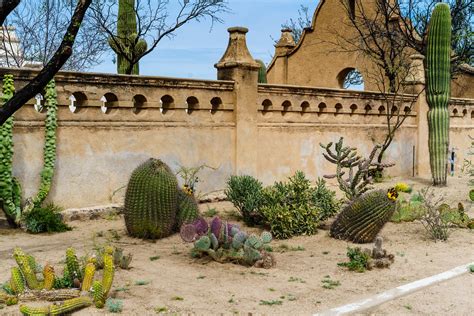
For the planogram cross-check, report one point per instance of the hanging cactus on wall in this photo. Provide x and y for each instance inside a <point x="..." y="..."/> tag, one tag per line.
<point x="438" y="72"/>
<point x="126" y="44"/>
<point x="49" y="151"/>
<point x="262" y="72"/>
<point x="10" y="190"/>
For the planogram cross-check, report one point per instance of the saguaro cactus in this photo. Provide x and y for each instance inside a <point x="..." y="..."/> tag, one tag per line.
<point x="262" y="72"/>
<point x="439" y="90"/>
<point x="126" y="44"/>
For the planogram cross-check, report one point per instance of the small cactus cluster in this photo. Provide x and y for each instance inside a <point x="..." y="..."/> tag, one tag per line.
<point x="155" y="207"/>
<point x="362" y="219"/>
<point x="225" y="242"/>
<point x="26" y="285"/>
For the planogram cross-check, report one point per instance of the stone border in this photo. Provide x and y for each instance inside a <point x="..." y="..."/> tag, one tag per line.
<point x="96" y="212"/>
<point x="395" y="293"/>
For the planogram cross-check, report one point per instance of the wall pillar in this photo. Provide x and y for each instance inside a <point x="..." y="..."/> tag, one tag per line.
<point x="238" y="65"/>
<point x="415" y="84"/>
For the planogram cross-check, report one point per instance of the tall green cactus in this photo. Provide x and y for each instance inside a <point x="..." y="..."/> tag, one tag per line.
<point x="151" y="201"/>
<point x="10" y="190"/>
<point x="262" y="72"/>
<point x="126" y="44"/>
<point x="49" y="151"/>
<point x="438" y="77"/>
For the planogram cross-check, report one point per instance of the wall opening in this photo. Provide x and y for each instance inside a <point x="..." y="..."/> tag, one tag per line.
<point x="351" y="79"/>
<point x="167" y="102"/>
<point x="109" y="100"/>
<point x="267" y="104"/>
<point x="193" y="104"/>
<point x="304" y="107"/>
<point x="322" y="108"/>
<point x="338" y="108"/>
<point x="286" y="106"/>
<point x="139" y="102"/>
<point x="78" y="101"/>
<point x="216" y="104"/>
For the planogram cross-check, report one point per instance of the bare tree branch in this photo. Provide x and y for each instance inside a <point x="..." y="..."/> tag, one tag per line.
<point x="6" y="7"/>
<point x="154" y="22"/>
<point x="52" y="67"/>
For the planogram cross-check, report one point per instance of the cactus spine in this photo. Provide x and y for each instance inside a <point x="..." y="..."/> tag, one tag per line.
<point x="364" y="217"/>
<point x="49" y="151"/>
<point x="108" y="276"/>
<point x="17" y="281"/>
<point x="73" y="265"/>
<point x="99" y="297"/>
<point x="438" y="58"/>
<point x="48" y="274"/>
<point x="89" y="272"/>
<point x="10" y="190"/>
<point x="126" y="44"/>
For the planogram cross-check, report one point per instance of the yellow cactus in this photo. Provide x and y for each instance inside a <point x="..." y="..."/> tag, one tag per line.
<point x="99" y="298"/>
<point x="88" y="276"/>
<point x="70" y="305"/>
<point x="25" y="267"/>
<point x="108" y="276"/>
<point x="17" y="282"/>
<point x="34" y="311"/>
<point x="72" y="264"/>
<point x="48" y="274"/>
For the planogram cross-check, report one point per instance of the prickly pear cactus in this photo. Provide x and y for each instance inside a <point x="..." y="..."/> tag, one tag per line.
<point x="364" y="217"/>
<point x="151" y="201"/>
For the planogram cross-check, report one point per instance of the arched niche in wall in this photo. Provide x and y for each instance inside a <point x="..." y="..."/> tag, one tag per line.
<point x="304" y="107"/>
<point x="192" y="103"/>
<point x="286" y="106"/>
<point x="216" y="104"/>
<point x="167" y="103"/>
<point x="266" y="104"/>
<point x="139" y="102"/>
<point x="78" y="100"/>
<point x="351" y="79"/>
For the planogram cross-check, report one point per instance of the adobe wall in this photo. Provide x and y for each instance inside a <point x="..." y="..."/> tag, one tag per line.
<point x="114" y="122"/>
<point x="317" y="60"/>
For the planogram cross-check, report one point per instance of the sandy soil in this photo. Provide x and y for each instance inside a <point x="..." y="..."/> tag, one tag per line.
<point x="182" y="285"/>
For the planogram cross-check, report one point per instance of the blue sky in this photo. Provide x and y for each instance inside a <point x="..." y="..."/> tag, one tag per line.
<point x="195" y="49"/>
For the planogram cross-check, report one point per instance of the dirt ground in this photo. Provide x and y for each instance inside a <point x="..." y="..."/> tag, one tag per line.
<point x="177" y="284"/>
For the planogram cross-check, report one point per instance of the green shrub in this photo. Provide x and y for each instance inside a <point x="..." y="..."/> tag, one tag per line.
<point x="290" y="209"/>
<point x="114" y="305"/>
<point x="358" y="260"/>
<point x="407" y="211"/>
<point x="245" y="192"/>
<point x="45" y="219"/>
<point x="326" y="200"/>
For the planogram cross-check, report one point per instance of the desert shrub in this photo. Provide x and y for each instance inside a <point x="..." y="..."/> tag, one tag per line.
<point x="358" y="260"/>
<point x="326" y="200"/>
<point x="434" y="221"/>
<point x="245" y="192"/>
<point x="289" y="207"/>
<point x="45" y="219"/>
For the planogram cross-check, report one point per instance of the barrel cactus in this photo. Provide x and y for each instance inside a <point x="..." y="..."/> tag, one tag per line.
<point x="362" y="219"/>
<point x="188" y="209"/>
<point x="438" y="86"/>
<point x="151" y="201"/>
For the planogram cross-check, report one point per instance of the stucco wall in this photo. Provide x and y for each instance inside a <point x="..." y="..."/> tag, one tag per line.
<point x="109" y="124"/>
